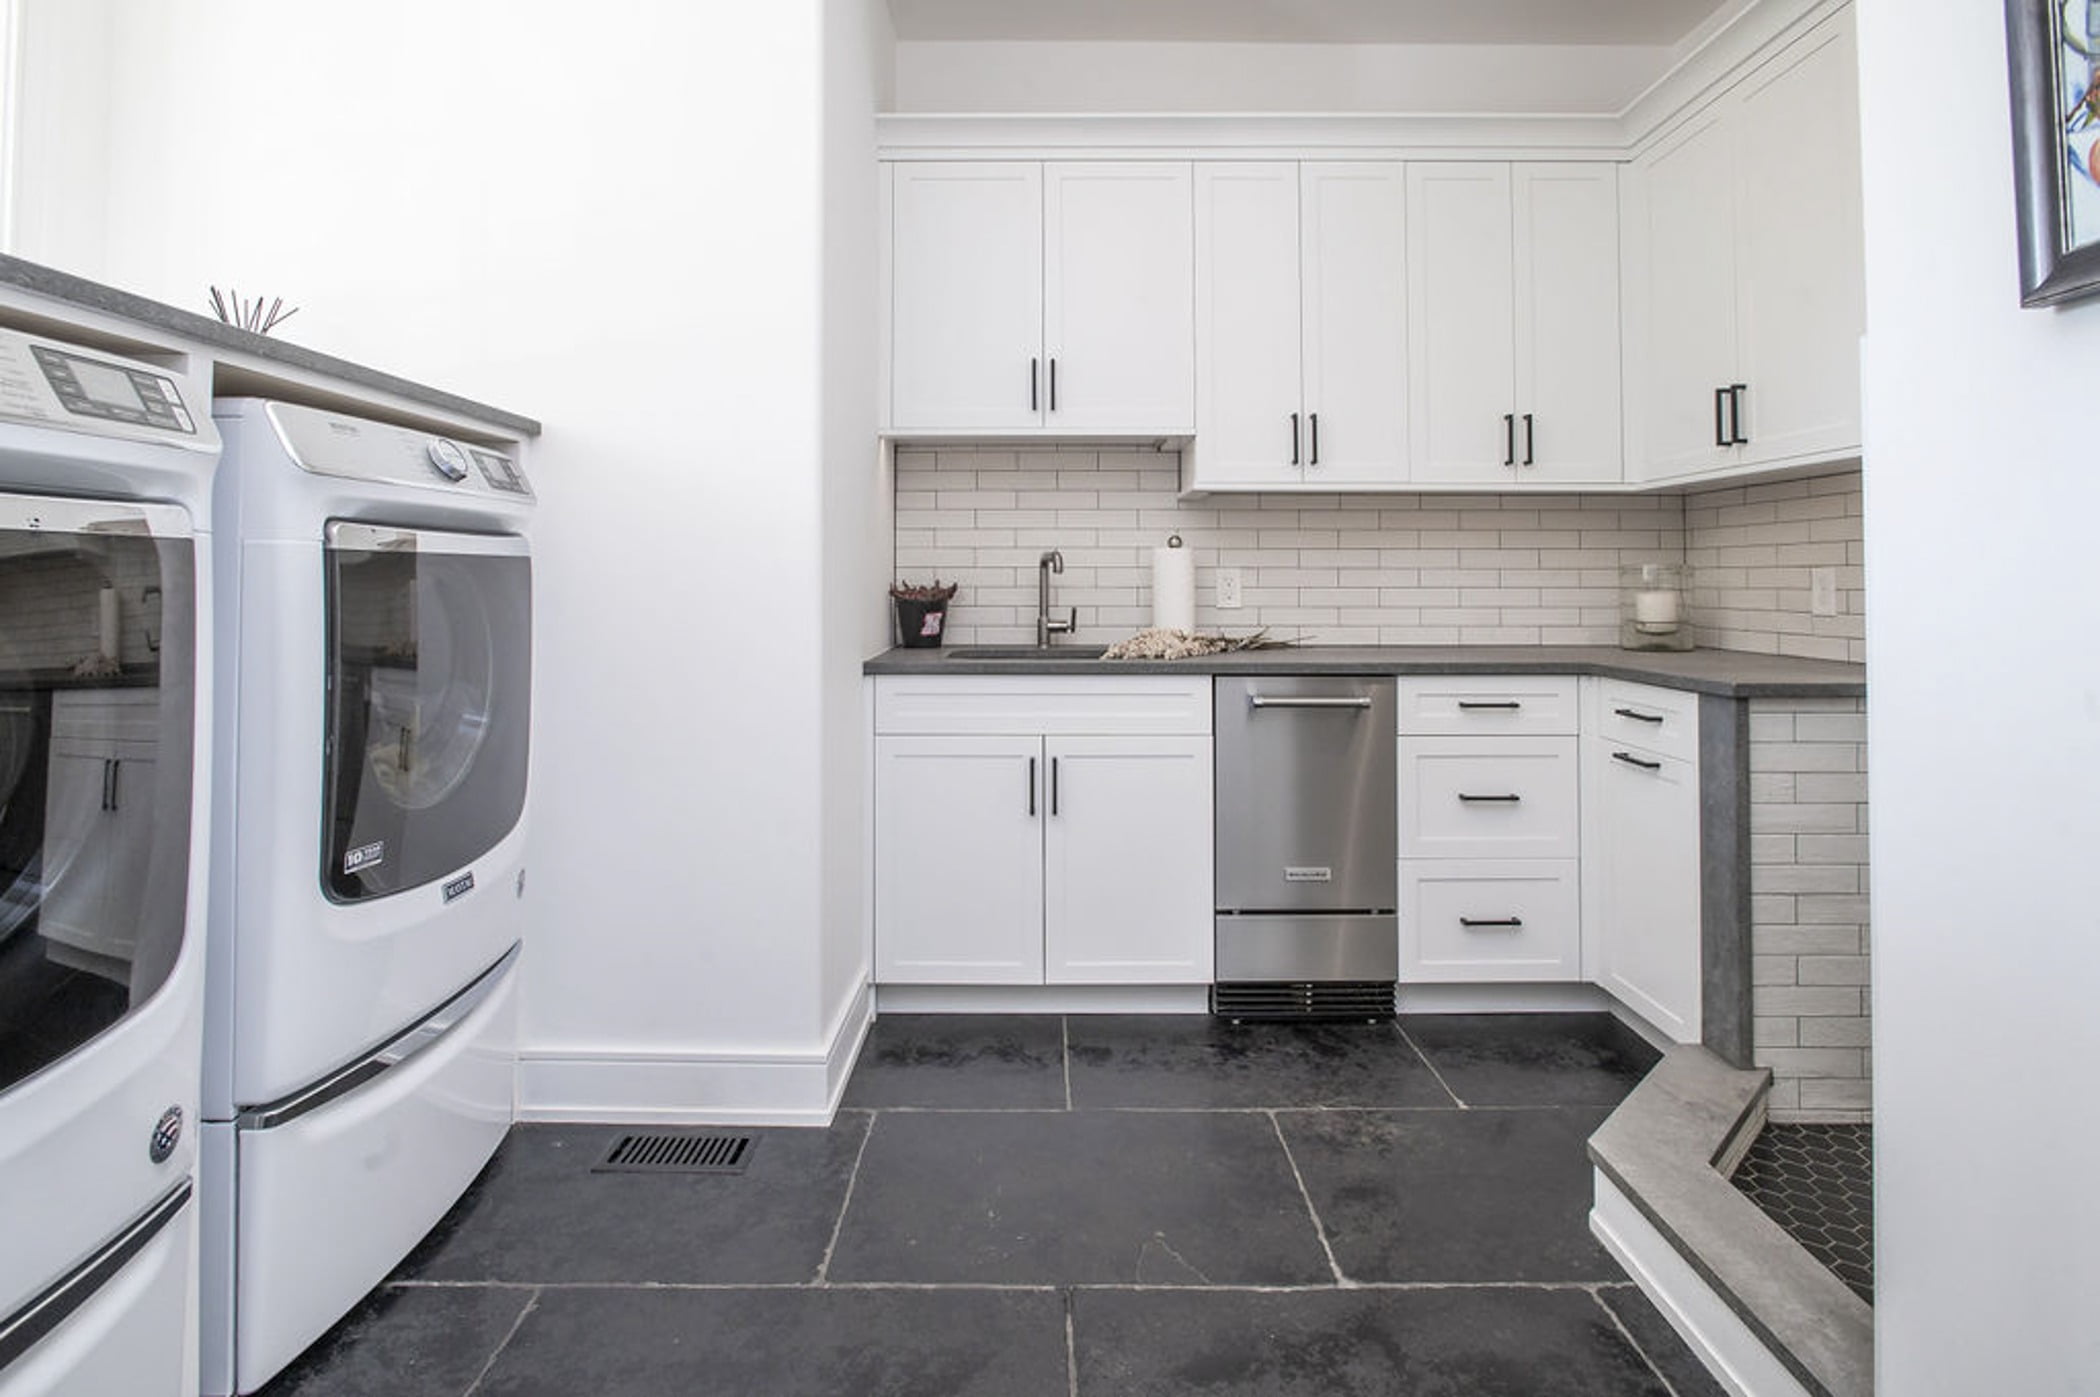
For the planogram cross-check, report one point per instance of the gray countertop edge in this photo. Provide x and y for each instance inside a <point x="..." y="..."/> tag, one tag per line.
<point x="1659" y="1148"/>
<point x="205" y="330"/>
<point x="1726" y="673"/>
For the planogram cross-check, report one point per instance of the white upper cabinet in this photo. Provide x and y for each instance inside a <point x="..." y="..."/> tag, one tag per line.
<point x="1745" y="297"/>
<point x="1301" y="326"/>
<point x="1031" y="297"/>
<point x="1514" y="315"/>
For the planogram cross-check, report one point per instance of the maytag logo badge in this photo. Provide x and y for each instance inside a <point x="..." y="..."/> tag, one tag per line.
<point x="365" y="856"/>
<point x="459" y="887"/>
<point x="1308" y="875"/>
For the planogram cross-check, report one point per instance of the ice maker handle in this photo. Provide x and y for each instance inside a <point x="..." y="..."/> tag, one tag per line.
<point x="1263" y="701"/>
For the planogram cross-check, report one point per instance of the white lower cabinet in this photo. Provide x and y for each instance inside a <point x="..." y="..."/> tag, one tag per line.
<point x="1641" y="849"/>
<point x="98" y="821"/>
<point x="1043" y="857"/>
<point x="1489" y="919"/>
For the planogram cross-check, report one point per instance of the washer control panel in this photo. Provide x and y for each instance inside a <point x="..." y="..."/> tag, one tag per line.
<point x="52" y="384"/>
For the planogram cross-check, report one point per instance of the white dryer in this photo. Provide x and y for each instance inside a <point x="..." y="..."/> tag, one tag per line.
<point x="105" y="495"/>
<point x="374" y="711"/>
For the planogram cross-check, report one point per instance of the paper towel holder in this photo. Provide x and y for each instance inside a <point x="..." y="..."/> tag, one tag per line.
<point x="1173" y="540"/>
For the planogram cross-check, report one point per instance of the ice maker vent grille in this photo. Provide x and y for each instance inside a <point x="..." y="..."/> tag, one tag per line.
<point x="676" y="1152"/>
<point x="1301" y="999"/>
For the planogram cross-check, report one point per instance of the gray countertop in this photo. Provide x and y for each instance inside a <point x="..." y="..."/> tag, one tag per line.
<point x="1728" y="673"/>
<point x="205" y="330"/>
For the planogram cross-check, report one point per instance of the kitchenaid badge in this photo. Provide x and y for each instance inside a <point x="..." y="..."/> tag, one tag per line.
<point x="166" y="1135"/>
<point x="365" y="856"/>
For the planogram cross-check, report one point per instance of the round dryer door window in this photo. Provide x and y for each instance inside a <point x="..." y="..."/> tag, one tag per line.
<point x="430" y="669"/>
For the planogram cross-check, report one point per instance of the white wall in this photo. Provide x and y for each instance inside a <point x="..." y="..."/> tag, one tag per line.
<point x="58" y="126"/>
<point x="1985" y="732"/>
<point x="980" y="76"/>
<point x="608" y="218"/>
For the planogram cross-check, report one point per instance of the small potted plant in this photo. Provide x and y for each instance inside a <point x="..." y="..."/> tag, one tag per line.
<point x="920" y="609"/>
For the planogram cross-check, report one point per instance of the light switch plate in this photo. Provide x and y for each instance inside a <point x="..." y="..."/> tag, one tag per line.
<point x="1823" y="591"/>
<point x="1229" y="589"/>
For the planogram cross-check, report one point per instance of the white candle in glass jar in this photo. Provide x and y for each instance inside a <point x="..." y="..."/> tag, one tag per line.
<point x="1658" y="608"/>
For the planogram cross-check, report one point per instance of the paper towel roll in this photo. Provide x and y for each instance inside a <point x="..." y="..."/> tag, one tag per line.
<point x="1174" y="587"/>
<point x="106" y="628"/>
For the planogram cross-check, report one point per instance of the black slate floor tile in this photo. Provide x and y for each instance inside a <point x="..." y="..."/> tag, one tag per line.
<point x="1533" y="1059"/>
<point x="810" y="1343"/>
<point x="1667" y="1353"/>
<point x="538" y="1213"/>
<point x="1421" y="1343"/>
<point x="1195" y="1061"/>
<point x="1453" y="1195"/>
<point x="978" y="1061"/>
<point x="1077" y="1196"/>
<point x="406" y="1341"/>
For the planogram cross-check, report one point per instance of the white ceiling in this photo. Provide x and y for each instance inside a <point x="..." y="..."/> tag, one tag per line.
<point x="1634" y="22"/>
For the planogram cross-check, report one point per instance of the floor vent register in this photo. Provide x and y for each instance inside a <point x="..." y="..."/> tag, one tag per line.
<point x="676" y="1152"/>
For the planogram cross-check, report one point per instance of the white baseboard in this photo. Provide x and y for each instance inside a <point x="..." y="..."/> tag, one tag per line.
<point x="1042" y="999"/>
<point x="696" y="1088"/>
<point x="1736" y="1357"/>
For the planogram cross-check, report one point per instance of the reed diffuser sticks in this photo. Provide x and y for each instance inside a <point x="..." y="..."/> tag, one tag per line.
<point x="255" y="315"/>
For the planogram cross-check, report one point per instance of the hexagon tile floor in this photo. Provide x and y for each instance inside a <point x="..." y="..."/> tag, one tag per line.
<point x="1817" y="1181"/>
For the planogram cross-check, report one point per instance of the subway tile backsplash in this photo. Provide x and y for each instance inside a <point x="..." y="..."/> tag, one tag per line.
<point x="1400" y="569"/>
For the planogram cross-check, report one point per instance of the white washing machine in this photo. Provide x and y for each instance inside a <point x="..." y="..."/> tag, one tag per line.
<point x="374" y="715"/>
<point x="105" y="704"/>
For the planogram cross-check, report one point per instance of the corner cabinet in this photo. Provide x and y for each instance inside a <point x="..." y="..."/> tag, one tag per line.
<point x="98" y="821"/>
<point x="1041" y="297"/>
<point x="1301" y="326"/>
<point x="1513" y="305"/>
<point x="1744" y="273"/>
<point x="1042" y="831"/>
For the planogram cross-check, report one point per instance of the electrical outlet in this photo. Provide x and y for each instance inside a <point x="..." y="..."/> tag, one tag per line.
<point x="1229" y="589"/>
<point x="1823" y="591"/>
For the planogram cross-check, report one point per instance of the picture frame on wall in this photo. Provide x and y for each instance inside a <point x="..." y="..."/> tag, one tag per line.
<point x="2052" y="53"/>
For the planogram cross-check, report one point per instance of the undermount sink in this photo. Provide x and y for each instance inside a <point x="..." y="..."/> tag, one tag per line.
<point x="1027" y="652"/>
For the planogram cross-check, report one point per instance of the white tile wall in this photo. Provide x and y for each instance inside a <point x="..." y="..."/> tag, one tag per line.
<point x="1751" y="548"/>
<point x="1809" y="925"/>
<point x="1339" y="569"/>
<point x="50" y="602"/>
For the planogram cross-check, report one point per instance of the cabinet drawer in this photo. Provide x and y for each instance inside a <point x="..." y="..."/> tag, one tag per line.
<point x="1664" y="721"/>
<point x="1077" y="705"/>
<point x="1496" y="704"/>
<point x="1477" y="919"/>
<point x="1514" y="797"/>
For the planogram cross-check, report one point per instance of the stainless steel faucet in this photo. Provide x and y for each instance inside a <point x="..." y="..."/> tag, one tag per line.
<point x="1047" y="625"/>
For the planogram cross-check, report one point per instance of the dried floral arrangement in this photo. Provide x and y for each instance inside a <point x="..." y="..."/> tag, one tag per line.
<point x="935" y="590"/>
<point x="1163" y="643"/>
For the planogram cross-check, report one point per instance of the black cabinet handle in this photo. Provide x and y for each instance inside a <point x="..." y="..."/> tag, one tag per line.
<point x="1638" y="716"/>
<point x="1491" y="921"/>
<point x="1053" y="785"/>
<point x="1035" y="378"/>
<point x="1735" y="414"/>
<point x="1031" y="787"/>
<point x="1507" y="705"/>
<point x="1315" y="420"/>
<point x="1053" y="383"/>
<point x="108" y="780"/>
<point x="116" y="771"/>
<point x="1529" y="441"/>
<point x="1489" y="800"/>
<point x="1509" y="438"/>
<point x="1294" y="438"/>
<point x="1720" y="411"/>
<point x="1632" y="760"/>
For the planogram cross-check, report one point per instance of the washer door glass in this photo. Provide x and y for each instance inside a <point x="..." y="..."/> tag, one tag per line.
<point x="430" y="705"/>
<point x="97" y="709"/>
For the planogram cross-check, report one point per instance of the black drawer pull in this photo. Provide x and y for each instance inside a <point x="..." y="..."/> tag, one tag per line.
<point x="1490" y="921"/>
<point x="1489" y="800"/>
<point x="1530" y="443"/>
<point x="1631" y="760"/>
<point x="1638" y="716"/>
<point x="1472" y="705"/>
<point x="1294" y="438"/>
<point x="1035" y="385"/>
<point x="1509" y="438"/>
<point x="1721" y="432"/>
<point x="1031" y="787"/>
<point x="1735" y="414"/>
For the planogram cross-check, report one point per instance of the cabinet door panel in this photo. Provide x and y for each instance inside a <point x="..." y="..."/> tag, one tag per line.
<point x="966" y="293"/>
<point x="1127" y="853"/>
<point x="1681" y="331"/>
<point x="958" y="860"/>
<point x="1801" y="299"/>
<point x="1484" y="919"/>
<point x="1647" y="830"/>
<point x="1119" y="296"/>
<point x="1567" y="318"/>
<point x="1354" y="286"/>
<point x="78" y="835"/>
<point x="1247" y="325"/>
<point x="1509" y="798"/>
<point x="1461" y="321"/>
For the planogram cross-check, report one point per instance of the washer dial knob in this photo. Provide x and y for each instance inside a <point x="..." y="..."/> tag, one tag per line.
<point x="447" y="459"/>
